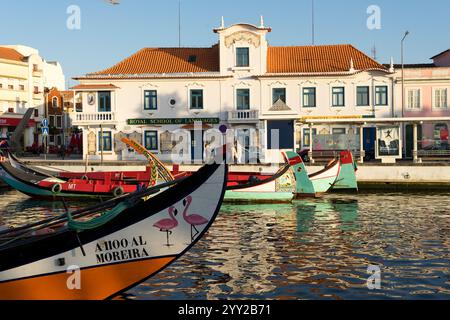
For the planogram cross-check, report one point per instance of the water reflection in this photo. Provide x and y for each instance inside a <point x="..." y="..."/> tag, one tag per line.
<point x="306" y="250"/>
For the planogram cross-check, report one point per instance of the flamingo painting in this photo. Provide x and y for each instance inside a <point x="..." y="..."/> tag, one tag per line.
<point x="167" y="225"/>
<point x="193" y="219"/>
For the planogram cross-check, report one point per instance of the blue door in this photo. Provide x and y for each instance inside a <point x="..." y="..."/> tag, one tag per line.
<point x="197" y="146"/>
<point x="369" y="136"/>
<point x="285" y="131"/>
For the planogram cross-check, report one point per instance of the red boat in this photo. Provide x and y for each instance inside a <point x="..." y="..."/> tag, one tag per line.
<point x="45" y="184"/>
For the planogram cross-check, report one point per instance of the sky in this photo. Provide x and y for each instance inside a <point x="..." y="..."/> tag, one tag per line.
<point x="110" y="33"/>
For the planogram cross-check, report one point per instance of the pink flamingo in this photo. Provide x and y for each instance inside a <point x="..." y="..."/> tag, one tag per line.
<point x="193" y="219"/>
<point x="167" y="225"/>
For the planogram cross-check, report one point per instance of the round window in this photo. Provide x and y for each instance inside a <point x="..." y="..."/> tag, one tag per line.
<point x="172" y="102"/>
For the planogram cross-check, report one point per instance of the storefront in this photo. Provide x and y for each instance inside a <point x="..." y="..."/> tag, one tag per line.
<point x="187" y="137"/>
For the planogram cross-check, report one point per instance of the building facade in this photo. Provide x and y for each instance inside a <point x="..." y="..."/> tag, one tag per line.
<point x="426" y="95"/>
<point x="240" y="83"/>
<point x="24" y="75"/>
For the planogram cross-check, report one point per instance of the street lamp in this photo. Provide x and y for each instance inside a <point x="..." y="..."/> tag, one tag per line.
<point x="403" y="76"/>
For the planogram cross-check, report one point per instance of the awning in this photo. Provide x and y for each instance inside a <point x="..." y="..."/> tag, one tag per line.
<point x="14" y="122"/>
<point x="193" y="127"/>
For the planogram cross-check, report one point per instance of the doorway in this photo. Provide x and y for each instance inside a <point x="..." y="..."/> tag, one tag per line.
<point x="243" y="145"/>
<point x="369" y="137"/>
<point x="197" y="145"/>
<point x="409" y="132"/>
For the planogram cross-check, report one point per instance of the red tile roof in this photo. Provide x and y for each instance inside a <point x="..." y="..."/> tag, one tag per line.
<point x="10" y="54"/>
<point x="318" y="59"/>
<point x="94" y="86"/>
<point x="167" y="60"/>
<point x="294" y="59"/>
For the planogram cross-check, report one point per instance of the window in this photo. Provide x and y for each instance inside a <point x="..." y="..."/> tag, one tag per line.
<point x="242" y="57"/>
<point x="36" y="90"/>
<point x="150" y="100"/>
<point x="59" y="140"/>
<point x="413" y="99"/>
<point x="21" y="87"/>
<point x="440" y="99"/>
<point x="35" y="67"/>
<point x="105" y="141"/>
<point x="104" y="101"/>
<point x="196" y="99"/>
<point x="59" y="122"/>
<point x="36" y="113"/>
<point x="278" y="94"/>
<point x="338" y="131"/>
<point x="51" y="121"/>
<point x="338" y="96"/>
<point x="381" y="95"/>
<point x="309" y="97"/>
<point x="151" y="140"/>
<point x="306" y="136"/>
<point x="55" y="102"/>
<point x="243" y="99"/>
<point x="10" y="87"/>
<point x="362" y="96"/>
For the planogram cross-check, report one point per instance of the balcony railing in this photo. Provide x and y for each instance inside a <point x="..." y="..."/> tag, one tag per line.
<point x="99" y="117"/>
<point x="243" y="116"/>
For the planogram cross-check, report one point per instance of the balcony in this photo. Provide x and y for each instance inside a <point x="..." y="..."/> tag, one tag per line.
<point x="243" y="116"/>
<point x="37" y="73"/>
<point x="94" y="118"/>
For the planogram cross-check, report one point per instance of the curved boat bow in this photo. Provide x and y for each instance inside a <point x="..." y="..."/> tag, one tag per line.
<point x="134" y="239"/>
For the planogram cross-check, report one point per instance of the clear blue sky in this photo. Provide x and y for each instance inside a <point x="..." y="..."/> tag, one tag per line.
<point x="110" y="33"/>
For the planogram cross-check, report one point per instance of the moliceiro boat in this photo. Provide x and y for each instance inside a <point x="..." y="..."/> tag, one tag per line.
<point x="39" y="184"/>
<point x="347" y="175"/>
<point x="101" y="251"/>
<point x="316" y="184"/>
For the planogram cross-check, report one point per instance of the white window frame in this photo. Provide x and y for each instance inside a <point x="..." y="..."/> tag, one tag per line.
<point x="196" y="86"/>
<point x="158" y="137"/>
<point x="407" y="105"/>
<point x="56" y="121"/>
<point x="434" y="98"/>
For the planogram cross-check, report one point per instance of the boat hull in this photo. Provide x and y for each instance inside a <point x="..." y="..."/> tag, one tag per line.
<point x="347" y="175"/>
<point x="105" y="261"/>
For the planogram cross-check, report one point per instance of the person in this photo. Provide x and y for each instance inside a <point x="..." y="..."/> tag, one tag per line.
<point x="444" y="138"/>
<point x="62" y="152"/>
<point x="4" y="144"/>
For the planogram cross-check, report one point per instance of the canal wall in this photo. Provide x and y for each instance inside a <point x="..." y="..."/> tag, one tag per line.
<point x="400" y="176"/>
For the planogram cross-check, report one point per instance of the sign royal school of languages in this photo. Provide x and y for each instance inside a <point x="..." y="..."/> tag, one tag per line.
<point x="180" y="121"/>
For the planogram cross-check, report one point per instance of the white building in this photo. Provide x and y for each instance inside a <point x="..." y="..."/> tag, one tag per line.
<point x="24" y="75"/>
<point x="241" y="82"/>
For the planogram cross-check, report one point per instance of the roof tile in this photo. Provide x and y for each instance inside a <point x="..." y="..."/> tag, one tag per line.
<point x="10" y="54"/>
<point x="167" y="60"/>
<point x="294" y="59"/>
<point x="317" y="59"/>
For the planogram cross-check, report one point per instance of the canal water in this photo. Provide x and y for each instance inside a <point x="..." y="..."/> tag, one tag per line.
<point x="311" y="249"/>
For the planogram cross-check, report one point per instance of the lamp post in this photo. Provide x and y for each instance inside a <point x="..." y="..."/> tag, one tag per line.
<point x="403" y="76"/>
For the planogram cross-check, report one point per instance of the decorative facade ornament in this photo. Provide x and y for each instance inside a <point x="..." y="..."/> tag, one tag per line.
<point x="391" y="68"/>
<point x="352" y="67"/>
<point x="136" y="137"/>
<point x="119" y="145"/>
<point x="279" y="105"/>
<point x="166" y="142"/>
<point x="247" y="36"/>
<point x="92" y="143"/>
